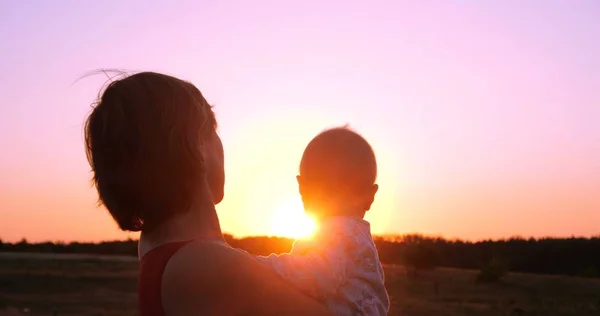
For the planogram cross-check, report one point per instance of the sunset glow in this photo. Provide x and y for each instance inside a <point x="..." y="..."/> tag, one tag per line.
<point x="289" y="220"/>
<point x="483" y="114"/>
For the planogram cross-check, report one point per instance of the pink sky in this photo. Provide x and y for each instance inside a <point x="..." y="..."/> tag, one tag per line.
<point x="484" y="114"/>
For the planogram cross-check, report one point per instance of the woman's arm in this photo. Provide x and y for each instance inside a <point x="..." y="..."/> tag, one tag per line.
<point x="212" y="279"/>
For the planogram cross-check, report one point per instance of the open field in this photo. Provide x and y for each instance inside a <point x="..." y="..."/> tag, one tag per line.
<point x="62" y="285"/>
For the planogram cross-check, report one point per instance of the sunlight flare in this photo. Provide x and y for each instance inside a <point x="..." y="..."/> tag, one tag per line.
<point x="290" y="220"/>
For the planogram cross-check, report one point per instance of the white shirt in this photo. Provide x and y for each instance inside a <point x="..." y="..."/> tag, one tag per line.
<point x="339" y="266"/>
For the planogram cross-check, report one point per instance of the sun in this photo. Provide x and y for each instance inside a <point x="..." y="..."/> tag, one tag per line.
<point x="289" y="220"/>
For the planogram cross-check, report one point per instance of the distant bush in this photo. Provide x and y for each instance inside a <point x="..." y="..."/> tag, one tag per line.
<point x="418" y="258"/>
<point x="493" y="272"/>
<point x="590" y="272"/>
<point x="565" y="256"/>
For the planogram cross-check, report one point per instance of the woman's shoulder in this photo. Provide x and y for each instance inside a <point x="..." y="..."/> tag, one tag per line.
<point x="200" y="278"/>
<point x="207" y="261"/>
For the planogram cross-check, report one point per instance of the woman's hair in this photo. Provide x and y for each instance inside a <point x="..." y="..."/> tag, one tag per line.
<point x="143" y="142"/>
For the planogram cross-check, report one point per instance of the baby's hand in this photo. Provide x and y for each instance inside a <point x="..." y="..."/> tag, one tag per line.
<point x="301" y="247"/>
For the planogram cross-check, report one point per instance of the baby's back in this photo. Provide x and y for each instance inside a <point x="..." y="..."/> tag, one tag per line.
<point x="363" y="292"/>
<point x="339" y="267"/>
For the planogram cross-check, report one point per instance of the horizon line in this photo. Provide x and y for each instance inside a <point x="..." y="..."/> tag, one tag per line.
<point x="389" y="237"/>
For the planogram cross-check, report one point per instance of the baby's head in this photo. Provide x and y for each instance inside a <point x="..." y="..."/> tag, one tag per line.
<point x="337" y="174"/>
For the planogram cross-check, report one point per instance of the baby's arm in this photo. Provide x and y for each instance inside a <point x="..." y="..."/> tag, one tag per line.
<point x="317" y="267"/>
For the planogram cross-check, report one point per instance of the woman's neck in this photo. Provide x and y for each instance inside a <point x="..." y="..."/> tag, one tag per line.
<point x="199" y="223"/>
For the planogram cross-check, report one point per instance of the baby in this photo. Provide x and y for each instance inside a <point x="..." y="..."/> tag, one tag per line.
<point x="339" y="266"/>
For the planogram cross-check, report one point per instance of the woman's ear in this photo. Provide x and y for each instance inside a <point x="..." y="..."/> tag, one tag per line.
<point x="214" y="163"/>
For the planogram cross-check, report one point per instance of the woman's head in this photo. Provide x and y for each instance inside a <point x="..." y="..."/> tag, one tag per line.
<point x="152" y="144"/>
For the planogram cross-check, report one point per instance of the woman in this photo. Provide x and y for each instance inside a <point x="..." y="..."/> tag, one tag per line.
<point x="158" y="167"/>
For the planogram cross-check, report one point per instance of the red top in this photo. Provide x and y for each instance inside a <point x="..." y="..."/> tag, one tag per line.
<point x="152" y="267"/>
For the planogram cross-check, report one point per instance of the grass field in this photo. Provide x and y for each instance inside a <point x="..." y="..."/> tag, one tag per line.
<point x="92" y="285"/>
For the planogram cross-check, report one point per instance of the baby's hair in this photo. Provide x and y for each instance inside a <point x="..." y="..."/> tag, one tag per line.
<point x="339" y="159"/>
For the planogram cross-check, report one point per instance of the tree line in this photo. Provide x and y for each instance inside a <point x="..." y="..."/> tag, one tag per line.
<point x="565" y="256"/>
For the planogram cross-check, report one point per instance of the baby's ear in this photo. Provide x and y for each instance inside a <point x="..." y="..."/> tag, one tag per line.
<point x="371" y="196"/>
<point x="301" y="186"/>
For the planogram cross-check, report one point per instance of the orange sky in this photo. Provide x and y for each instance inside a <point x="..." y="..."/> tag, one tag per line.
<point x="484" y="116"/>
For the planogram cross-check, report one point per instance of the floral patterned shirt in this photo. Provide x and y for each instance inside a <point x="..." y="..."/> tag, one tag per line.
<point x="339" y="266"/>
